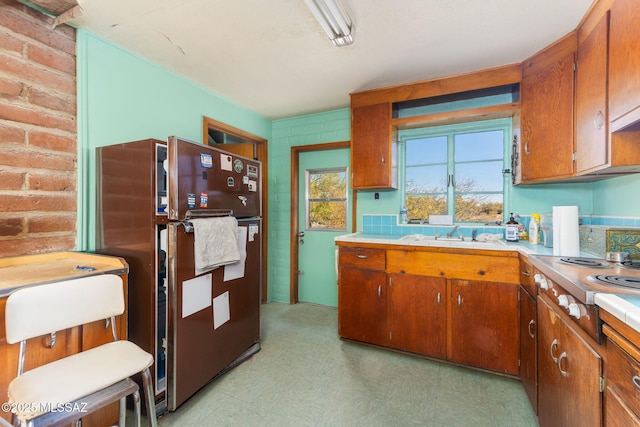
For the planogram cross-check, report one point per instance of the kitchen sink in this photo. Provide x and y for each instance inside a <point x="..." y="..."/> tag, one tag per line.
<point x="420" y="237"/>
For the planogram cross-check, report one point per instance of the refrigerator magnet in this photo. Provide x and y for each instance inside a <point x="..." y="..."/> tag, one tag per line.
<point x="226" y="162"/>
<point x="191" y="200"/>
<point x="238" y="166"/>
<point x="204" y="200"/>
<point x="206" y="161"/>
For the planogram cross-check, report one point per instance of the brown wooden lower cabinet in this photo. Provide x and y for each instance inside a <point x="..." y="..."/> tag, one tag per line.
<point x="470" y="322"/>
<point x="569" y="373"/>
<point x="529" y="346"/>
<point x="362" y="305"/>
<point x="622" y="371"/>
<point x="484" y="325"/>
<point x="417" y="314"/>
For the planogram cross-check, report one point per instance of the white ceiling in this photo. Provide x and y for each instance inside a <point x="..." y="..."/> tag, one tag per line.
<point x="272" y="57"/>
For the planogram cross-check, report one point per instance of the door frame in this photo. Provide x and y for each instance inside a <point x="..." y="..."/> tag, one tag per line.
<point x="261" y="154"/>
<point x="295" y="211"/>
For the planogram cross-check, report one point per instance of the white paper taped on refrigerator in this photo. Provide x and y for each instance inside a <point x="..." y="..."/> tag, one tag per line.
<point x="221" y="312"/>
<point x="236" y="271"/>
<point x="196" y="294"/>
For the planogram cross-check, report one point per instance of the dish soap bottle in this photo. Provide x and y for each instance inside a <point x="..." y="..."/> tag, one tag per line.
<point x="534" y="229"/>
<point x="403" y="215"/>
<point x="511" y="229"/>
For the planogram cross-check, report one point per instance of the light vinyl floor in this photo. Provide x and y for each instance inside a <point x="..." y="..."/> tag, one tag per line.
<point x="305" y="375"/>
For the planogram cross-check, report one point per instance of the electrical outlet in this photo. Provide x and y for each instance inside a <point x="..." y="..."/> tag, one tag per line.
<point x="376" y="196"/>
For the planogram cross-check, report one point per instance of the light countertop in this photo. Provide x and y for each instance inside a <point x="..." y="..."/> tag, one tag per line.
<point x="421" y="240"/>
<point x="625" y="307"/>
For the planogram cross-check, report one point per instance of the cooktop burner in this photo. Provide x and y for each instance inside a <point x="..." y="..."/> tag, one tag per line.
<point x="586" y="262"/>
<point x="631" y="264"/>
<point x="624" y="281"/>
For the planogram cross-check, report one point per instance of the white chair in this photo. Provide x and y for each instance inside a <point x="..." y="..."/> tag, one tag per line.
<point x="67" y="389"/>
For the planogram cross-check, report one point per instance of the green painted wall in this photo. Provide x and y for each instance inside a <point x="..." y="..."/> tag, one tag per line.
<point x="122" y="98"/>
<point x="617" y="196"/>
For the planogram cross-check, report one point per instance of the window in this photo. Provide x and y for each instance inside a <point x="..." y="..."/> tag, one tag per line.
<point x="456" y="170"/>
<point x="326" y="194"/>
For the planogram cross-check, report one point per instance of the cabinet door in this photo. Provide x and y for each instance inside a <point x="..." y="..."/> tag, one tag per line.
<point x="362" y="307"/>
<point x="616" y="412"/>
<point x="624" y="62"/>
<point x="417" y="307"/>
<point x="569" y="372"/>
<point x="547" y="117"/>
<point x="372" y="147"/>
<point x="591" y="100"/>
<point x="528" y="347"/>
<point x="484" y="325"/>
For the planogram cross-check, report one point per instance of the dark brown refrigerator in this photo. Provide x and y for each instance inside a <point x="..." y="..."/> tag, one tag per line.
<point x="197" y="324"/>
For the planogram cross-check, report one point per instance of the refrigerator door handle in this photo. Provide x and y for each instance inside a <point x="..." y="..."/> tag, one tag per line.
<point x="201" y="213"/>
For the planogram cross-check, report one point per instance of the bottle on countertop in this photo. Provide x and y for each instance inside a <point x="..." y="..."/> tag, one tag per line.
<point x="403" y="215"/>
<point x="522" y="230"/>
<point x="511" y="230"/>
<point x="534" y="229"/>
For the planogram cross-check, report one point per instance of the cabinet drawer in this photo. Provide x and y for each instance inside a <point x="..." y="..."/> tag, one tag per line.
<point x="370" y="259"/>
<point x="623" y="372"/>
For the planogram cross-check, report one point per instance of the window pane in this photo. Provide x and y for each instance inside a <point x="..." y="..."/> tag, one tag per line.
<point x="426" y="179"/>
<point x="327" y="185"/>
<point x="327" y="199"/>
<point x="479" y="207"/>
<point x="479" y="146"/>
<point x="481" y="176"/>
<point x="426" y="151"/>
<point x="420" y="207"/>
<point x="329" y="215"/>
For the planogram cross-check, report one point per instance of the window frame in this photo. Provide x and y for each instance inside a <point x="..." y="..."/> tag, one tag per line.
<point x="308" y="199"/>
<point x="504" y="125"/>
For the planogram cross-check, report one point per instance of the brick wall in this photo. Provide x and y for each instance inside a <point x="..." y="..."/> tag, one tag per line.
<point x="37" y="133"/>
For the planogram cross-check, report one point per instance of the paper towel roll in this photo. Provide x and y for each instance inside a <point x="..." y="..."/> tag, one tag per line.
<point x="566" y="231"/>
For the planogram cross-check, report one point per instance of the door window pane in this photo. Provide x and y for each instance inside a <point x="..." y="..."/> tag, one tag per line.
<point x="326" y="199"/>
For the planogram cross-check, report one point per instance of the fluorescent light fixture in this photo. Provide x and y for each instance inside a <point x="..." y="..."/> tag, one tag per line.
<point x="333" y="19"/>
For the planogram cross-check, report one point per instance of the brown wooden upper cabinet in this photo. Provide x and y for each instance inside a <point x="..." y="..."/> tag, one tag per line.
<point x="373" y="148"/>
<point x="591" y="97"/>
<point x="546" y="112"/>
<point x="600" y="153"/>
<point x="624" y="64"/>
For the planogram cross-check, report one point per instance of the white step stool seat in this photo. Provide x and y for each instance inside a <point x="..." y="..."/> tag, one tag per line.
<point x="76" y="376"/>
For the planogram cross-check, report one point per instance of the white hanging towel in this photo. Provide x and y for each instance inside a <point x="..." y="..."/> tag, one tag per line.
<point x="215" y="242"/>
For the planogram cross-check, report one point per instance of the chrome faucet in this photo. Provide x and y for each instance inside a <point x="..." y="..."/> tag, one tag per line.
<point x="453" y="230"/>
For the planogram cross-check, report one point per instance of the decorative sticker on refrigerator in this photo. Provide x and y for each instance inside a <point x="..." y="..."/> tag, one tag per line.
<point x="206" y="161"/>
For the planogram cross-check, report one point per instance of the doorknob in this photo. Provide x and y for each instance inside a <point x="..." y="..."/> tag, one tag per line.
<point x="301" y="234"/>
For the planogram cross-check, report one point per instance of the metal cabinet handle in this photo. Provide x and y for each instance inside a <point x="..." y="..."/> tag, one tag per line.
<point x="636" y="381"/>
<point x="438" y="298"/>
<point x="554" y="346"/>
<point x="531" y="323"/>
<point x="562" y="356"/>
<point x="526" y="147"/>
<point x="362" y="256"/>
<point x="598" y="120"/>
<point x="526" y="273"/>
<point x="382" y="160"/>
<point x="379" y="290"/>
<point x="459" y="300"/>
